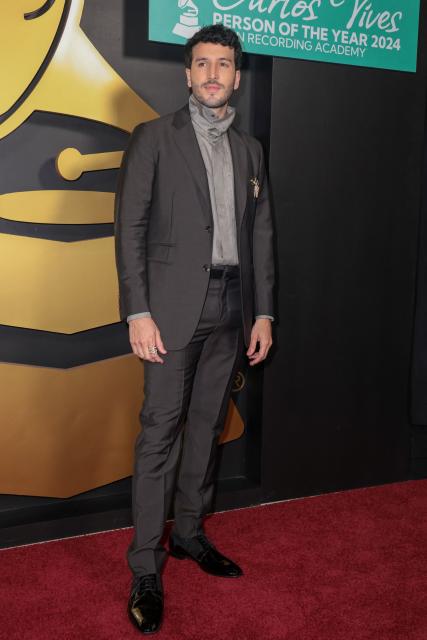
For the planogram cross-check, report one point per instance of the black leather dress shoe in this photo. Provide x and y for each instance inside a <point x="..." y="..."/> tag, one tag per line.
<point x="202" y="551"/>
<point x="145" y="606"/>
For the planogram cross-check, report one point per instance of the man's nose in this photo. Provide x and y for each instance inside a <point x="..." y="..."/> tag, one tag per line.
<point x="213" y="72"/>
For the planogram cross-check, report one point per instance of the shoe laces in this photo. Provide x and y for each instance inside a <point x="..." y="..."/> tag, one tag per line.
<point x="205" y="542"/>
<point x="147" y="583"/>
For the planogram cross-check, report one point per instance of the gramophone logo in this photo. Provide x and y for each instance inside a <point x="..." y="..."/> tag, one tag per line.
<point x="188" y="23"/>
<point x="64" y="430"/>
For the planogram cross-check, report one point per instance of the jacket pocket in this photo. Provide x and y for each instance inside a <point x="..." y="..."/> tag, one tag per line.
<point x="159" y="251"/>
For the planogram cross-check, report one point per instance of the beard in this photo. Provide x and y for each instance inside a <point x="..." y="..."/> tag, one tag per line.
<point x="214" y="101"/>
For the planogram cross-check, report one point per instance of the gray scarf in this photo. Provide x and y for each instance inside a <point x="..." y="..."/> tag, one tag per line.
<point x="207" y="122"/>
<point x="215" y="149"/>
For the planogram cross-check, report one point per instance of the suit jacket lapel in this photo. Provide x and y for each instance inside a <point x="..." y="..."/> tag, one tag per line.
<point x="186" y="140"/>
<point x="239" y="154"/>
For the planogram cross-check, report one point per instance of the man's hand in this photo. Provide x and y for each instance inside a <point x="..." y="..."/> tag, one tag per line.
<point x="261" y="333"/>
<point x="143" y="335"/>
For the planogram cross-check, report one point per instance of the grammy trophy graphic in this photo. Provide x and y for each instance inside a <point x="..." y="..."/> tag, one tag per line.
<point x="57" y="417"/>
<point x="188" y="23"/>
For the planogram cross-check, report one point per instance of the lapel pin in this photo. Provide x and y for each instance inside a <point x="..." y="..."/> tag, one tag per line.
<point x="255" y="184"/>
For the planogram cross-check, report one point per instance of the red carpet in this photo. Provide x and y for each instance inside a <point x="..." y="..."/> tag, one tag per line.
<point x="347" y="566"/>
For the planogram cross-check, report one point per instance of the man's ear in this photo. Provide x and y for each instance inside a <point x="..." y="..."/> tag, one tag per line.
<point x="188" y="74"/>
<point x="237" y="80"/>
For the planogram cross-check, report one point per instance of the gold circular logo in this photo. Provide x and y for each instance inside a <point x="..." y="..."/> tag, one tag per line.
<point x="239" y="382"/>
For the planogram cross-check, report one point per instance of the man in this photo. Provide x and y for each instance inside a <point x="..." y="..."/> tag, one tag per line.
<point x="195" y="265"/>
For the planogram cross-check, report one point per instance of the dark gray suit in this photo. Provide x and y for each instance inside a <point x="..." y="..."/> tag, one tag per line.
<point x="164" y="227"/>
<point x="164" y="249"/>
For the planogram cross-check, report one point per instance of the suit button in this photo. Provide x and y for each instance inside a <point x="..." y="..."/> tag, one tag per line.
<point x="207" y="228"/>
<point x="206" y="267"/>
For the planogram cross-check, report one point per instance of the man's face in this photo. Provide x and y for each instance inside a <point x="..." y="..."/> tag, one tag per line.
<point x="213" y="76"/>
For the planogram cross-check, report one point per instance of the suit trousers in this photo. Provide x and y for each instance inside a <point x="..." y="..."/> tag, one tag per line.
<point x="183" y="414"/>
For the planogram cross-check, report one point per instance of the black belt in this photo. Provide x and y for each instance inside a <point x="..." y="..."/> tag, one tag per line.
<point x="226" y="271"/>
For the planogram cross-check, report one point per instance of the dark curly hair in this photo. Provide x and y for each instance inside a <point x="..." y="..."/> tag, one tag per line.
<point x="214" y="34"/>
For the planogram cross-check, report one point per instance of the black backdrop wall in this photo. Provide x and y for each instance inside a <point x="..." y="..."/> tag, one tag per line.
<point x="345" y="165"/>
<point x="345" y="150"/>
<point x="419" y="362"/>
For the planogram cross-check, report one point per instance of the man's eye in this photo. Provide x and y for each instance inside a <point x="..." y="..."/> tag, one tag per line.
<point x="40" y="11"/>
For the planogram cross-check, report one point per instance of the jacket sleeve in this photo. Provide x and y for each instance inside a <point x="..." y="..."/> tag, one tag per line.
<point x="132" y="213"/>
<point x="263" y="252"/>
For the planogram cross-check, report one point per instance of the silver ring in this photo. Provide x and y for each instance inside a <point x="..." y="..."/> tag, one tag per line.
<point x="152" y="349"/>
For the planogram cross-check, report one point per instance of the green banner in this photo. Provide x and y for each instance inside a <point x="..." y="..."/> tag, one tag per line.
<point x="368" y="33"/>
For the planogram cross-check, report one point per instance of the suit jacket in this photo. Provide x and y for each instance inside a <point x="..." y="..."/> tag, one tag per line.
<point x="163" y="227"/>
